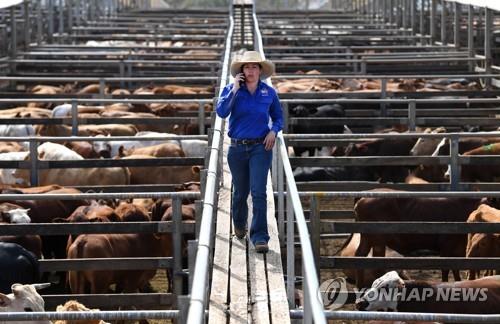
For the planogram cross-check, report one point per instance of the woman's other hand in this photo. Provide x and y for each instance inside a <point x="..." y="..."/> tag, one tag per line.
<point x="238" y="79"/>
<point x="269" y="140"/>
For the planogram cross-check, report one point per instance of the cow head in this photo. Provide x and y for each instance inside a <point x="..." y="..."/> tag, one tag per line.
<point x="300" y="111"/>
<point x="103" y="148"/>
<point x="24" y="298"/>
<point x="383" y="295"/>
<point x="17" y="216"/>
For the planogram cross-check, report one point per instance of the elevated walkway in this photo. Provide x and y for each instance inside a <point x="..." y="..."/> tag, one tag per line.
<point x="247" y="287"/>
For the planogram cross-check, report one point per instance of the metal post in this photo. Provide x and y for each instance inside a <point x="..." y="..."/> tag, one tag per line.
<point x="51" y="21"/>
<point x="488" y="26"/>
<point x="433" y="21"/>
<point x="413" y="19"/>
<point x="290" y="249"/>
<point x="39" y="19"/>
<point x="192" y="250"/>
<point x="456" y="30"/>
<point x="412" y="115"/>
<point x="177" y="238"/>
<point x="307" y="303"/>
<point x="383" y="95"/>
<point x="403" y="12"/>
<point x="470" y="37"/>
<point x="74" y="118"/>
<point x="61" y="20"/>
<point x="69" y="8"/>
<point x="281" y="199"/>
<point x="422" y="24"/>
<point x="34" y="162"/>
<point x="455" y="168"/>
<point x="286" y="118"/>
<point x="201" y="117"/>
<point x="315" y="228"/>
<point x="13" y="33"/>
<point x="27" y="25"/>
<point x="391" y="11"/>
<point x="444" y="40"/>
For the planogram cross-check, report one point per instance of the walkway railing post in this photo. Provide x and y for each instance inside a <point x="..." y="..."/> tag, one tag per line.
<point x="470" y="37"/>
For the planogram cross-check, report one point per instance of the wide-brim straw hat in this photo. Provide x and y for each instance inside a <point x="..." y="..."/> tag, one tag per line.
<point x="253" y="57"/>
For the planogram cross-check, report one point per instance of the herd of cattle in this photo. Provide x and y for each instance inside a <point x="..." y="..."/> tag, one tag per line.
<point x="328" y="85"/>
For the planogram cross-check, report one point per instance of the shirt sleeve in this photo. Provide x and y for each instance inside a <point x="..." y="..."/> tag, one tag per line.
<point x="226" y="102"/>
<point x="276" y="115"/>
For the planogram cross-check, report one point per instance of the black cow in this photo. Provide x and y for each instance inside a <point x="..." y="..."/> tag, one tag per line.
<point x="17" y="265"/>
<point x="335" y="110"/>
<point x="337" y="173"/>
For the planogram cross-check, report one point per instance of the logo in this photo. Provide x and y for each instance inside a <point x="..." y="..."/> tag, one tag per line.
<point x="264" y="92"/>
<point x="333" y="293"/>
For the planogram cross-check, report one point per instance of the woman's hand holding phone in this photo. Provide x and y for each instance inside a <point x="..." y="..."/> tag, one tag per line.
<point x="239" y="80"/>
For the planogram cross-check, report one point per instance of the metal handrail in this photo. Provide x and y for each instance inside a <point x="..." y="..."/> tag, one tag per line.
<point x="197" y="302"/>
<point x="313" y="304"/>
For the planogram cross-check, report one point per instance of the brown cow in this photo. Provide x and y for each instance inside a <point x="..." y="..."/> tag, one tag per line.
<point x="416" y="210"/>
<point x="128" y="212"/>
<point x="481" y="296"/>
<point x="160" y="150"/>
<point x="162" y="174"/>
<point x="349" y="250"/>
<point x="87" y="130"/>
<point x="483" y="244"/>
<point x="85" y="149"/>
<point x="116" y="246"/>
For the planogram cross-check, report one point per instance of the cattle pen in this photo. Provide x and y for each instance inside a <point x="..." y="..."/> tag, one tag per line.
<point x="362" y="85"/>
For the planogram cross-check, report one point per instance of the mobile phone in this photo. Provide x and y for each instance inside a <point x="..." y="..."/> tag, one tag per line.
<point x="242" y="81"/>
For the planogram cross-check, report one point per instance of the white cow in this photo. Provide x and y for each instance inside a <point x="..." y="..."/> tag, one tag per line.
<point x="18" y="216"/>
<point x="24" y="298"/>
<point x="7" y="176"/>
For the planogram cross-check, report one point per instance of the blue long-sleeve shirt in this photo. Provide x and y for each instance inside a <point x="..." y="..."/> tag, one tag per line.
<point x="250" y="113"/>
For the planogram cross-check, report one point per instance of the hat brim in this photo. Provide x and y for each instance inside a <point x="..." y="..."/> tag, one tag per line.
<point x="266" y="71"/>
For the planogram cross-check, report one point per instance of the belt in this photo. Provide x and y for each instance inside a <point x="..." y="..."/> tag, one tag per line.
<point x="249" y="141"/>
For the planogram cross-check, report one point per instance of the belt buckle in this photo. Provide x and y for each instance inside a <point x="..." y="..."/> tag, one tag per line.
<point x="245" y="142"/>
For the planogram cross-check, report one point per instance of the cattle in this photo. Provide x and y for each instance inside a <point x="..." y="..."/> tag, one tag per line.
<point x="13" y="214"/>
<point x="162" y="174"/>
<point x="74" y="306"/>
<point x="17" y="130"/>
<point x="391" y="293"/>
<point x="349" y="250"/>
<point x="415" y="210"/>
<point x="24" y="298"/>
<point x="7" y="147"/>
<point x="337" y="173"/>
<point x="116" y="246"/>
<point x="112" y="148"/>
<point x="73" y="176"/>
<point x="128" y="212"/>
<point x="17" y="265"/>
<point x="483" y="172"/>
<point x="7" y="176"/>
<point x="160" y="150"/>
<point x="483" y="244"/>
<point x="335" y="110"/>
<point x="65" y="110"/>
<point x="427" y="145"/>
<point x="87" y="130"/>
<point x="25" y="112"/>
<point x="84" y="149"/>
<point x="384" y="147"/>
<point x="436" y="173"/>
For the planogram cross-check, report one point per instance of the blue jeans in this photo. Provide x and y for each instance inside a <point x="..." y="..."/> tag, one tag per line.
<point x="249" y="166"/>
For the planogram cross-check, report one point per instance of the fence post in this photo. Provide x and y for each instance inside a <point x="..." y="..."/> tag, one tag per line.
<point x="27" y="25"/>
<point x="470" y="37"/>
<point x="177" y="238"/>
<point x="192" y="250"/>
<point x="201" y="117"/>
<point x="488" y="26"/>
<point x="290" y="250"/>
<point x="74" y="117"/>
<point x="281" y="198"/>
<point x="455" y="168"/>
<point x="34" y="162"/>
<point x="444" y="39"/>
<point x="315" y="228"/>
<point x="412" y="115"/>
<point x="456" y="30"/>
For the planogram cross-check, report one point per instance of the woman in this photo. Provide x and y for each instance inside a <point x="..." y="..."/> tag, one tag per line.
<point x="251" y="102"/>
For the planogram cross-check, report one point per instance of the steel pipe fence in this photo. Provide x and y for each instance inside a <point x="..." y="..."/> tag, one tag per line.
<point x="313" y="307"/>
<point x="199" y="289"/>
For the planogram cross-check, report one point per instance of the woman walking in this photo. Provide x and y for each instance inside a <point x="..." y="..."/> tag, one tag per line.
<point x="250" y="103"/>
